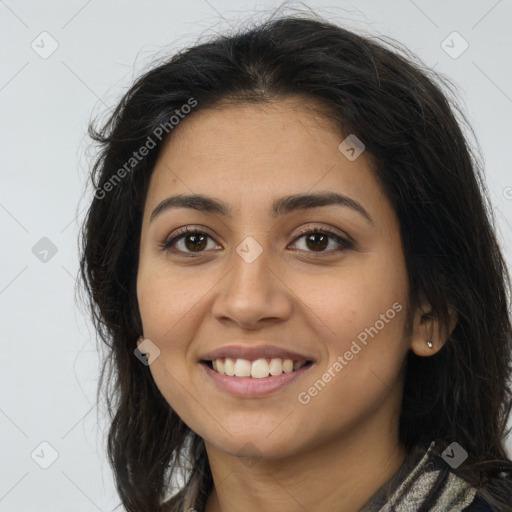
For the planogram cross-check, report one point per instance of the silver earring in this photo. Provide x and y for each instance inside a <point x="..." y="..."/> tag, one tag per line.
<point x="430" y="344"/>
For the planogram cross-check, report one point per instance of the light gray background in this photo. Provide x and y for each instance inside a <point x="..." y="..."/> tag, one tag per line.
<point x="49" y="365"/>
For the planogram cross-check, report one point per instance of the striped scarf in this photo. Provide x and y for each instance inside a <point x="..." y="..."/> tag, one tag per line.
<point x="410" y="492"/>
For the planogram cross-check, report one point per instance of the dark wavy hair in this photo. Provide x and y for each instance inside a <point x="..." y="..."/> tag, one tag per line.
<point x="413" y="131"/>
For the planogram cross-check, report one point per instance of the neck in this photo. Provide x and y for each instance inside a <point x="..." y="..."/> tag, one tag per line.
<point x="341" y="474"/>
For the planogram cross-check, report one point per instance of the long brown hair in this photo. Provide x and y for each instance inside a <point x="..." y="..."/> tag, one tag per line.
<point x="411" y="126"/>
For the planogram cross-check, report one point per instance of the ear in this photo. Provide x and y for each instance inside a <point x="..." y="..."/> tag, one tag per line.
<point x="426" y="327"/>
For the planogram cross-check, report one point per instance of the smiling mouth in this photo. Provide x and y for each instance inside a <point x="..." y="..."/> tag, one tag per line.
<point x="255" y="369"/>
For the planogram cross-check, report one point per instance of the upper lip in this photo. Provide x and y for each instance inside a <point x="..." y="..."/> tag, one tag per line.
<point x="252" y="352"/>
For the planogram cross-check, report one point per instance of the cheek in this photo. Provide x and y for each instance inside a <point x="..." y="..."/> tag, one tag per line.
<point x="361" y="373"/>
<point x="167" y="300"/>
<point x="168" y="304"/>
<point x="172" y="304"/>
<point x="359" y="314"/>
<point x="345" y="302"/>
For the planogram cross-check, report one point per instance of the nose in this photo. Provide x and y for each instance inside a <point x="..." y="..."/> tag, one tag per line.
<point x="253" y="293"/>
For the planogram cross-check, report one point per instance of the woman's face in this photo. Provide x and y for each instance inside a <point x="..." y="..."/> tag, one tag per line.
<point x="253" y="288"/>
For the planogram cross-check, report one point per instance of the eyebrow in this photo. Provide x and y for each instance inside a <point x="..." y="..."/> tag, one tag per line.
<point x="280" y="207"/>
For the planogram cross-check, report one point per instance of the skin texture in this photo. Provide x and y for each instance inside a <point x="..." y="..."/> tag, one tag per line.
<point x="334" y="452"/>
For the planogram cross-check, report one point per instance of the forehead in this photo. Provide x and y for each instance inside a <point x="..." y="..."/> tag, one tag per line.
<point x="245" y="152"/>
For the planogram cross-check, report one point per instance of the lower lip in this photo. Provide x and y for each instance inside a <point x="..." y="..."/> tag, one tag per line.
<point x="249" y="387"/>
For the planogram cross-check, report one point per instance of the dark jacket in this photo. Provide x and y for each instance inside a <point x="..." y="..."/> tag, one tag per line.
<point x="480" y="504"/>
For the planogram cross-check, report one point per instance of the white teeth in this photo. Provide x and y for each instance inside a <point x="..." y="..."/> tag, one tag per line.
<point x="229" y="367"/>
<point x="276" y="366"/>
<point x="260" y="369"/>
<point x="257" y="369"/>
<point x="287" y="366"/>
<point x="242" y="368"/>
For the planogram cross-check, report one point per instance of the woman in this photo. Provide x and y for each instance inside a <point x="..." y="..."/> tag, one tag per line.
<point x="291" y="258"/>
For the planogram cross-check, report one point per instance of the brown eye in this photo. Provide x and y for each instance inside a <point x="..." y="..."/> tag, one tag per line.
<point x="197" y="242"/>
<point x="191" y="240"/>
<point x="316" y="240"/>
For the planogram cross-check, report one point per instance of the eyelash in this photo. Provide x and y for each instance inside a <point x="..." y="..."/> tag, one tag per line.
<point x="345" y="244"/>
